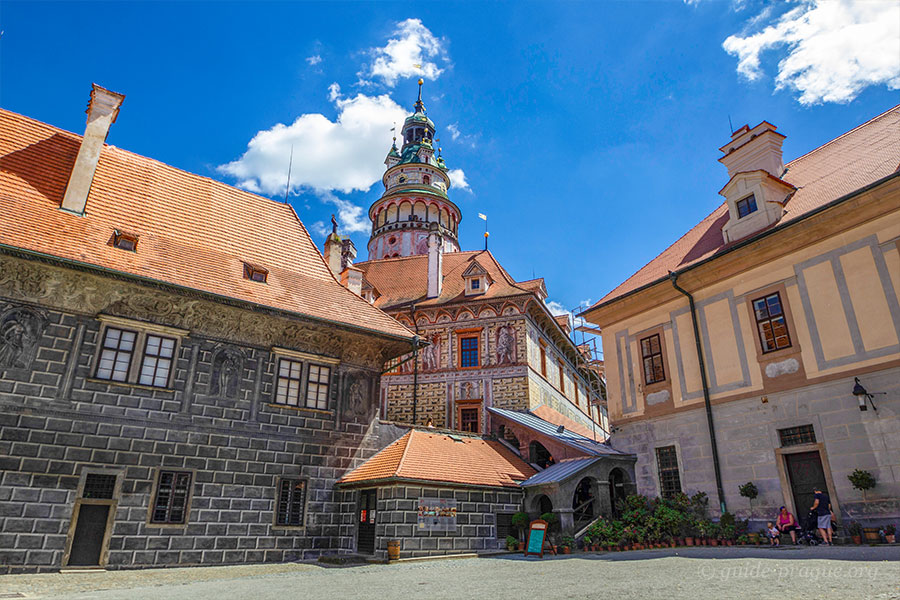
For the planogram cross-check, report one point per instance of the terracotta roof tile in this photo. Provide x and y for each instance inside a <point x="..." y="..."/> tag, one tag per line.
<point x="404" y="280"/>
<point x="435" y="456"/>
<point x="193" y="231"/>
<point x="847" y="163"/>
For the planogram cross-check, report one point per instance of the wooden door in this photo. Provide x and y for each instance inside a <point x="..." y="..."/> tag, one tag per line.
<point x="90" y="529"/>
<point x="806" y="474"/>
<point x="365" y="536"/>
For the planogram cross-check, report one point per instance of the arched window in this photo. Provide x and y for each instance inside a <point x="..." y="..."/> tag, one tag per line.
<point x="426" y="180"/>
<point x="539" y="455"/>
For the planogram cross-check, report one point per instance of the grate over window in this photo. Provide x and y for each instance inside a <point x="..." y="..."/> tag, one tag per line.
<point x="669" y="479"/>
<point x="794" y="436"/>
<point x="99" y="485"/>
<point x="171" y="497"/>
<point x="291" y="502"/>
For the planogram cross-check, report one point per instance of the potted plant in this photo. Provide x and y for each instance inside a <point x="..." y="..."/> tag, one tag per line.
<point x="512" y="543"/>
<point x="890" y="533"/>
<point x="855" y="531"/>
<point x="588" y="542"/>
<point x="568" y="542"/>
<point x="749" y="491"/>
<point x="520" y="522"/>
<point x="862" y="480"/>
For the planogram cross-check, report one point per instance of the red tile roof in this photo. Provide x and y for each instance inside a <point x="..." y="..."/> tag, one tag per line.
<point x="438" y="457"/>
<point x="193" y="231"/>
<point x="847" y="163"/>
<point x="403" y="280"/>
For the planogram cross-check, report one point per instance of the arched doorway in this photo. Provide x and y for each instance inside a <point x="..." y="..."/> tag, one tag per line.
<point x="539" y="455"/>
<point x="544" y="504"/>
<point x="583" y="503"/>
<point x="616" y="490"/>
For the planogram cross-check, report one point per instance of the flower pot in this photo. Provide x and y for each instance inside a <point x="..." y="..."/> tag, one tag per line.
<point x="680" y="541"/>
<point x="688" y="541"/>
<point x="393" y="549"/>
<point x="713" y="542"/>
<point x="891" y="538"/>
<point x="857" y="539"/>
<point x="567" y="550"/>
<point x="521" y="546"/>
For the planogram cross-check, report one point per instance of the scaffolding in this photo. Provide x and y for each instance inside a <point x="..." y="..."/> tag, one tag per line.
<point x="586" y="338"/>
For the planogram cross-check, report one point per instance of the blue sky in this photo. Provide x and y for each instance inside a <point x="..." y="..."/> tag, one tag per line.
<point x="586" y="131"/>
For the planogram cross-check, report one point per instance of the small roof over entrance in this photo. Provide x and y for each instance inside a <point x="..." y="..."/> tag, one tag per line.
<point x="575" y="441"/>
<point x="560" y="471"/>
<point x="431" y="456"/>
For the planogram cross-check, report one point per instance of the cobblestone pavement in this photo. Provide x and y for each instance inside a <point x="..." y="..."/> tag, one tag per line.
<point x="844" y="573"/>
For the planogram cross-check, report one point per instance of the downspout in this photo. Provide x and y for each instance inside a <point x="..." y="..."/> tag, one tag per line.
<point x="673" y="277"/>
<point x="415" y="365"/>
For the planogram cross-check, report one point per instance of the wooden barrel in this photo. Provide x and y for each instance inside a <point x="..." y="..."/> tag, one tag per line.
<point x="394" y="549"/>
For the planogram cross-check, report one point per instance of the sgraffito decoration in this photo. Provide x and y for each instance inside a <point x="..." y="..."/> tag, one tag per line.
<point x="21" y="329"/>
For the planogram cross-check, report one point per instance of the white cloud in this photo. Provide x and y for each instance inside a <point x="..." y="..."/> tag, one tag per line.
<point x="453" y="130"/>
<point x="344" y="155"/>
<point x="313" y="60"/>
<point x="411" y="52"/>
<point x="458" y="179"/>
<point x="352" y="218"/>
<point x="556" y="309"/>
<point x="835" y="48"/>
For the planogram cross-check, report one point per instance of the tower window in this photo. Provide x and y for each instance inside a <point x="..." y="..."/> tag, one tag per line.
<point x="746" y="206"/>
<point x="426" y="180"/>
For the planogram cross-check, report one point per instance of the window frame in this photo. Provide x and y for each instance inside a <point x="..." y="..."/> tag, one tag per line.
<point x="464" y="334"/>
<point x="651" y="356"/>
<point x="116" y="353"/>
<point x="769" y="319"/>
<point x="306" y="360"/>
<point x="154" y="496"/>
<point x="141" y="330"/>
<point x="145" y="355"/>
<point x="543" y="357"/>
<point x="746" y="200"/>
<point x="668" y="470"/>
<point x="463" y="405"/>
<point x="276" y="509"/>
<point x="318" y="384"/>
<point x="299" y="379"/>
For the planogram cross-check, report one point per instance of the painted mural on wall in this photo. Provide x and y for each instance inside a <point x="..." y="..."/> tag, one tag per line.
<point x="437" y="514"/>
<point x="469" y="390"/>
<point x="357" y="405"/>
<point x="227" y="366"/>
<point x="431" y="356"/>
<point x="20" y="331"/>
<point x="506" y="345"/>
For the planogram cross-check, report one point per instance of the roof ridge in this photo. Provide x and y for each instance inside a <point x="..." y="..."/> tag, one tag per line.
<point x="408" y="437"/>
<point x="846" y="133"/>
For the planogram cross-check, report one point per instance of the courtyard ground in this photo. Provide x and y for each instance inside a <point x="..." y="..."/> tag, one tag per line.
<point x="845" y="573"/>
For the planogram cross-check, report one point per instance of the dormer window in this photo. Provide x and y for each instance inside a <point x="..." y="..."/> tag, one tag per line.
<point x="746" y="206"/>
<point x="125" y="241"/>
<point x="255" y="273"/>
<point x="477" y="279"/>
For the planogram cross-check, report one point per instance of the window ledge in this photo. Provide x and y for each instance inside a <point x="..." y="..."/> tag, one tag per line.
<point x="129" y="384"/>
<point x="166" y="525"/>
<point x="777" y="354"/>
<point x="289" y="527"/>
<point x="318" y="411"/>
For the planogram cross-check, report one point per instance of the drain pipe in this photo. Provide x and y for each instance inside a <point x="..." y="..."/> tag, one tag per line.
<point x="415" y="398"/>
<point x="673" y="277"/>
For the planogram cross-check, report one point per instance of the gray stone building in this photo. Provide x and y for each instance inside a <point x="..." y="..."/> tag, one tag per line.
<point x="182" y="379"/>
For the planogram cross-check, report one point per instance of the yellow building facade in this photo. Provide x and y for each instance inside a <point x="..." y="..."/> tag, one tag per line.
<point x="735" y="354"/>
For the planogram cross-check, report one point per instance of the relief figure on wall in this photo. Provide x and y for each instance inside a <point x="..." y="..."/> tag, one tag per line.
<point x="467" y="390"/>
<point x="431" y="356"/>
<point x="20" y="332"/>
<point x="227" y="365"/>
<point x="356" y="406"/>
<point x="506" y="345"/>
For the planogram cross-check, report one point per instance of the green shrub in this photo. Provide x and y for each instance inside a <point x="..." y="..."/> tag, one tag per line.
<point x="511" y="541"/>
<point x="862" y="480"/>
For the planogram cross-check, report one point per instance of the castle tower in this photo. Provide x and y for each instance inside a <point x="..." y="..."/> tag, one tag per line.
<point x="415" y="198"/>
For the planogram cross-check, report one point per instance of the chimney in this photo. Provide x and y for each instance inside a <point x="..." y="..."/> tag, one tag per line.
<point x="435" y="262"/>
<point x="333" y="250"/>
<point x="102" y="112"/>
<point x="348" y="253"/>
<point x="351" y="278"/>
<point x="753" y="150"/>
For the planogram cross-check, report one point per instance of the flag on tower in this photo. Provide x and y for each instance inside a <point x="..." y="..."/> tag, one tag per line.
<point x="481" y="216"/>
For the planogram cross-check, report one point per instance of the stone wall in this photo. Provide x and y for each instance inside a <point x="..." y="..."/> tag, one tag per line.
<point x="58" y="421"/>
<point x="476" y="529"/>
<point x="747" y="435"/>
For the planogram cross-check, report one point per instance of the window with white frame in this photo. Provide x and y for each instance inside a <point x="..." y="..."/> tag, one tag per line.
<point x="289" y="380"/>
<point x="302" y="383"/>
<point x="137" y="353"/>
<point x="317" y="387"/>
